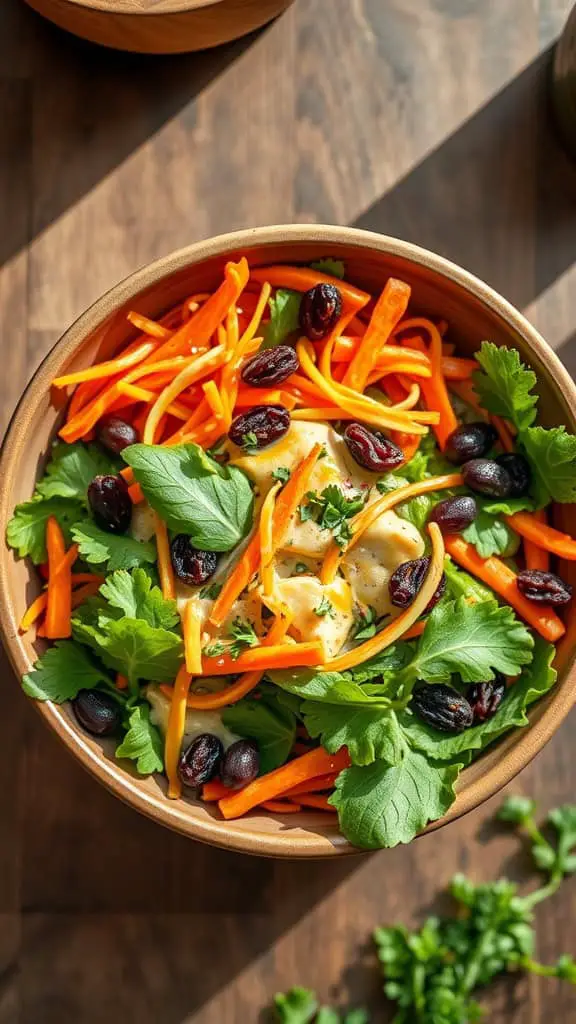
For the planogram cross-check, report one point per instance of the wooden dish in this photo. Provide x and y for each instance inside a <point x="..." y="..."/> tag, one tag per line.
<point x="160" y="26"/>
<point x="440" y="289"/>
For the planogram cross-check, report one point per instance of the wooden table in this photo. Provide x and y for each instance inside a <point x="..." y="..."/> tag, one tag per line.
<point x="422" y="118"/>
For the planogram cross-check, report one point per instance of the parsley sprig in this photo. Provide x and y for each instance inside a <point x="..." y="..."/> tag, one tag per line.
<point x="331" y="510"/>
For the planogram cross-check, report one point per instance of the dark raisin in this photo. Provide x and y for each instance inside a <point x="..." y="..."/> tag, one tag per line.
<point x="110" y="503"/>
<point x="406" y="582"/>
<point x="97" y="712"/>
<point x="200" y="761"/>
<point x="241" y="764"/>
<point x="470" y="441"/>
<point x="115" y="434"/>
<point x="486" y="698"/>
<point x="454" y="514"/>
<point x="371" y="449"/>
<point x="191" y="565"/>
<point x="487" y="477"/>
<point x="544" y="587"/>
<point x="520" y="473"/>
<point x="270" y="367"/>
<point x="320" y="309"/>
<point x="442" y="707"/>
<point x="260" y="427"/>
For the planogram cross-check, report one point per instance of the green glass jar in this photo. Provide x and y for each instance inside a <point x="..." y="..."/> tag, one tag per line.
<point x="564" y="83"/>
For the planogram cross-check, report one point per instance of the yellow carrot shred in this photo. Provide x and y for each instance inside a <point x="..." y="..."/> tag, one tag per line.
<point x="175" y="732"/>
<point x="191" y="628"/>
<point x="165" y="569"/>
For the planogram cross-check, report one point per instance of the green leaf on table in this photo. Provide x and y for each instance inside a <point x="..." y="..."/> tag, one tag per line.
<point x="491" y="535"/>
<point x="143" y="742"/>
<point x="119" y="551"/>
<point x="504" y="385"/>
<point x="563" y="820"/>
<point x="269" y="723"/>
<point x="26" y="530"/>
<point x="552" y="455"/>
<point x="193" y="494"/>
<point x="298" y="1006"/>
<point x="133" y="594"/>
<point x="71" y="469"/>
<point x="63" y="670"/>
<point x="284" y="313"/>
<point x="368" y="732"/>
<point x="330" y="266"/>
<point x="381" y="805"/>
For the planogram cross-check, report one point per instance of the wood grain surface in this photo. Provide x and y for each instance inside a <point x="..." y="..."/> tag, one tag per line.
<point x="425" y="118"/>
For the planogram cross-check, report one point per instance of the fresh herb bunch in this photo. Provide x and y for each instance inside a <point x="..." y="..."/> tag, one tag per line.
<point x="433" y="974"/>
<point x="332" y="510"/>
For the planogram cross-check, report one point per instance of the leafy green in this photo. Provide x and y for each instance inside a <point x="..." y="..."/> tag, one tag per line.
<point x="327" y="687"/>
<point x="490" y="535"/>
<point x="133" y="594"/>
<point x="243" y="636"/>
<point x="128" y="645"/>
<point x="552" y="455"/>
<point x="504" y="385"/>
<point x="461" y="584"/>
<point x="368" y="732"/>
<point x="332" y="510"/>
<point x="281" y="473"/>
<point x="335" y="268"/>
<point x="268" y="722"/>
<point x="63" y="670"/>
<point x="142" y="742"/>
<point x="384" y="804"/>
<point x="193" y="494"/>
<point x="26" y="531"/>
<point x="118" y="551"/>
<point x="72" y="468"/>
<point x="284" y="311"/>
<point x="298" y="1006"/>
<point x="325" y="608"/>
<point x="365" y="624"/>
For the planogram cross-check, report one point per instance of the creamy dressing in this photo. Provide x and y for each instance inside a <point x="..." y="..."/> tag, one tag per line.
<point x="196" y="723"/>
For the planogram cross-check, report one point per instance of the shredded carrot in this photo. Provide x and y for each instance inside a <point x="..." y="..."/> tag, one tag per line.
<point x="165" y="569"/>
<point x="33" y="612"/>
<point x="494" y="572"/>
<point x="317" y="801"/>
<point x="256" y="396"/>
<point x="191" y="629"/>
<point x="465" y="390"/>
<point x="434" y="390"/>
<point x="537" y="557"/>
<point x="58" y="624"/>
<point x="396" y="629"/>
<point x="87" y="590"/>
<point x="277" y="783"/>
<point x="416" y="630"/>
<point x="175" y="732"/>
<point x="457" y="368"/>
<point x="323" y="782"/>
<point x="214" y="399"/>
<point x="140" y="394"/>
<point x="536" y="530"/>
<point x="201" y="367"/>
<point x="504" y="433"/>
<point x="136" y="494"/>
<point x="213" y="791"/>
<point x="364" y="519"/>
<point x="267" y="541"/>
<point x="107" y="369"/>
<point x="121" y="681"/>
<point x="305" y="655"/>
<point x="389" y="309"/>
<point x="301" y="279"/>
<point x="87" y="577"/>
<point x="147" y="326"/>
<point x="259" y="311"/>
<point x="281" y="806"/>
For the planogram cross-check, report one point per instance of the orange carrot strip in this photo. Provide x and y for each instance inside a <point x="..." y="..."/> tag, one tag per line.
<point x="58" y="623"/>
<point x="416" y="630"/>
<point x="389" y="309"/>
<point x="305" y="655"/>
<point x="136" y="494"/>
<point x="214" y="399"/>
<point x="313" y="785"/>
<point x="33" y="612"/>
<point x="191" y="630"/>
<point x="457" y="368"/>
<point x="536" y="557"/>
<point x="147" y="326"/>
<point x="396" y="629"/>
<point x="288" y="501"/>
<point x="175" y="732"/>
<point x="317" y="801"/>
<point x="201" y="367"/>
<point x="465" y="390"/>
<point x="213" y="791"/>
<point x="281" y="806"/>
<point x="274" y="784"/>
<point x="165" y="570"/>
<point x="261" y="396"/>
<point x="301" y="279"/>
<point x="121" y="681"/>
<point x="435" y="391"/>
<point x="87" y="590"/>
<point x="257" y="315"/>
<point x="502" y="580"/>
<point x="140" y="394"/>
<point x="266" y="532"/>
<point x="532" y="528"/>
<point x="504" y="433"/>
<point x="87" y="577"/>
<point x="107" y="369"/>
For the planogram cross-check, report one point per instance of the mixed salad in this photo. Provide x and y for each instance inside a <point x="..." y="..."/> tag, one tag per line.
<point x="295" y="551"/>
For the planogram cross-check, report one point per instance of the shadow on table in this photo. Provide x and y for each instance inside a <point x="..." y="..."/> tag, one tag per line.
<point x="483" y="195"/>
<point x="72" y="112"/>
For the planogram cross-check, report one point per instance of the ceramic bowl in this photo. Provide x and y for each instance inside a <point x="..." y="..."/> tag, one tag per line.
<point x="441" y="289"/>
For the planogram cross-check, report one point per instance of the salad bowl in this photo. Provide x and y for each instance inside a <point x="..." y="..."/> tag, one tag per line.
<point x="440" y="290"/>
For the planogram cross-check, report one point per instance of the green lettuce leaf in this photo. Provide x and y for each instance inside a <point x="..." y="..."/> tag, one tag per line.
<point x="490" y="535"/>
<point x="133" y="594"/>
<point x="335" y="268"/>
<point x="118" y="551"/>
<point x="269" y="723"/>
<point x="26" y="531"/>
<point x="142" y="742"/>
<point x="72" y="468"/>
<point x="505" y="385"/>
<point x="284" y="311"/>
<point x="369" y="733"/>
<point x="552" y="455"/>
<point x="62" y="671"/>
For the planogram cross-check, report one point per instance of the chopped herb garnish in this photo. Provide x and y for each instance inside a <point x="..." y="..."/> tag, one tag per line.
<point x="243" y="636"/>
<point x="325" y="608"/>
<point x="365" y="624"/>
<point x="331" y="510"/>
<point x="282" y="474"/>
<point x="250" y="441"/>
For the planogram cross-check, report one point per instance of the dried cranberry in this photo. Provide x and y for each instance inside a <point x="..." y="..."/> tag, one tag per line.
<point x="97" y="712"/>
<point x="270" y="367"/>
<point x="192" y="566"/>
<point x="115" y="434"/>
<point x="260" y="427"/>
<point x="241" y="764"/>
<point x="110" y="503"/>
<point x="520" y="473"/>
<point x="487" y="477"/>
<point x="454" y="514"/>
<point x="442" y="707"/>
<point x="544" y="587"/>
<point x="486" y="698"/>
<point x="470" y="441"/>
<point x="406" y="582"/>
<point x="320" y="309"/>
<point x="371" y="449"/>
<point x="201" y="760"/>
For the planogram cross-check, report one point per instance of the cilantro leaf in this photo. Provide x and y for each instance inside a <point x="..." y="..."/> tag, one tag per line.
<point x="71" y="470"/>
<point x="473" y="640"/>
<point x="142" y="742"/>
<point x="281" y="473"/>
<point x="368" y="732"/>
<point x="490" y="535"/>
<point x="193" y="494"/>
<point x="504" y="385"/>
<point x="269" y="723"/>
<point x="331" y="510"/>
<point x="62" y="671"/>
<point x="135" y="596"/>
<point x="284" y="313"/>
<point x="298" y="1006"/>
<point x="243" y="635"/>
<point x="552" y="455"/>
<point x="328" y="265"/>
<point x="141" y="651"/>
<point x="383" y="805"/>
<point x="365" y="624"/>
<point x="119" y="551"/>
<point x="26" y="531"/>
